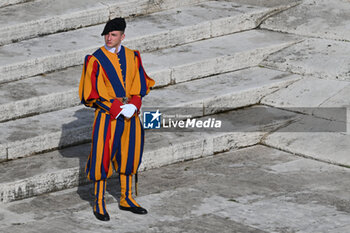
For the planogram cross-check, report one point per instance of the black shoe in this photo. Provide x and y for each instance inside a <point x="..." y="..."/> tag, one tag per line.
<point x="101" y="216"/>
<point x="135" y="210"/>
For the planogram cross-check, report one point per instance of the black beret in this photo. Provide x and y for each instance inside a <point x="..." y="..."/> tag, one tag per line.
<point x="116" y="24"/>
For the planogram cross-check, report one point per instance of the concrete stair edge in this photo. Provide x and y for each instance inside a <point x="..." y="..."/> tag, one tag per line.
<point x="6" y="3"/>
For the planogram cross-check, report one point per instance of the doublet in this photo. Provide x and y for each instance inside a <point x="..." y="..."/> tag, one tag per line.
<point x="106" y="78"/>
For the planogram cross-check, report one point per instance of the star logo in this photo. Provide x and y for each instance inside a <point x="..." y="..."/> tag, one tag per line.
<point x="151" y="120"/>
<point x="156" y="115"/>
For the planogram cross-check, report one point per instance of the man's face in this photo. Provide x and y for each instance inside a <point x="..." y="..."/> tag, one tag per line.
<point x="114" y="38"/>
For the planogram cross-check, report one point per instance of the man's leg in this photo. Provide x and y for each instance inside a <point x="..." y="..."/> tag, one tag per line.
<point x="100" y="206"/>
<point x="126" y="200"/>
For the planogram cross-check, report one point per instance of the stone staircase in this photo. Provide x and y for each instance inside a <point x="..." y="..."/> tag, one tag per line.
<point x="221" y="57"/>
<point x="322" y="58"/>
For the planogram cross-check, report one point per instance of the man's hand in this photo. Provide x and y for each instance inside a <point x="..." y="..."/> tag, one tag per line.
<point x="128" y="110"/>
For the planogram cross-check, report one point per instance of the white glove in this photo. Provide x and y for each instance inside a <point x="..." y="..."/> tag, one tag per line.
<point x="128" y="110"/>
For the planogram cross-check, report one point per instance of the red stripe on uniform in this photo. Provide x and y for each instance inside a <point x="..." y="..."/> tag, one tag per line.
<point x="107" y="156"/>
<point x="94" y="93"/>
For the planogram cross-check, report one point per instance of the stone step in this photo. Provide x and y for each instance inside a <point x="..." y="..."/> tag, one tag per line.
<point x="51" y="130"/>
<point x="319" y="97"/>
<point x="24" y="21"/>
<point x="308" y="92"/>
<point x="150" y="32"/>
<point x="301" y="139"/>
<point x="312" y="57"/>
<point x="59" y="89"/>
<point x="253" y="189"/>
<point x="322" y="19"/>
<point x="64" y="168"/>
<point x="322" y="133"/>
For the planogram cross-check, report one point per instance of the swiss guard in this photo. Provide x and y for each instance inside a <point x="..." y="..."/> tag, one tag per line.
<point x="113" y="82"/>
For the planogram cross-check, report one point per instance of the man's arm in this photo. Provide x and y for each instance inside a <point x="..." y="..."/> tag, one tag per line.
<point x="92" y="89"/>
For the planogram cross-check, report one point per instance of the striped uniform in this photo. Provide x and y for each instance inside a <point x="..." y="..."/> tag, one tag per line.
<point x="117" y="142"/>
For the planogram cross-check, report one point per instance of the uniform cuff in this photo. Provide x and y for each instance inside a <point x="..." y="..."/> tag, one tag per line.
<point x="115" y="108"/>
<point x="136" y="100"/>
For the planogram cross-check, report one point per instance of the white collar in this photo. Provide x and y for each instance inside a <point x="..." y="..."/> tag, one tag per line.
<point x="112" y="50"/>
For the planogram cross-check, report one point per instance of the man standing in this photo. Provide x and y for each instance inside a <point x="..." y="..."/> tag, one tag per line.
<point x="113" y="82"/>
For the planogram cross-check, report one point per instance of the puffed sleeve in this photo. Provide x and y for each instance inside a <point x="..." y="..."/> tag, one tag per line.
<point x="92" y="89"/>
<point x="142" y="83"/>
